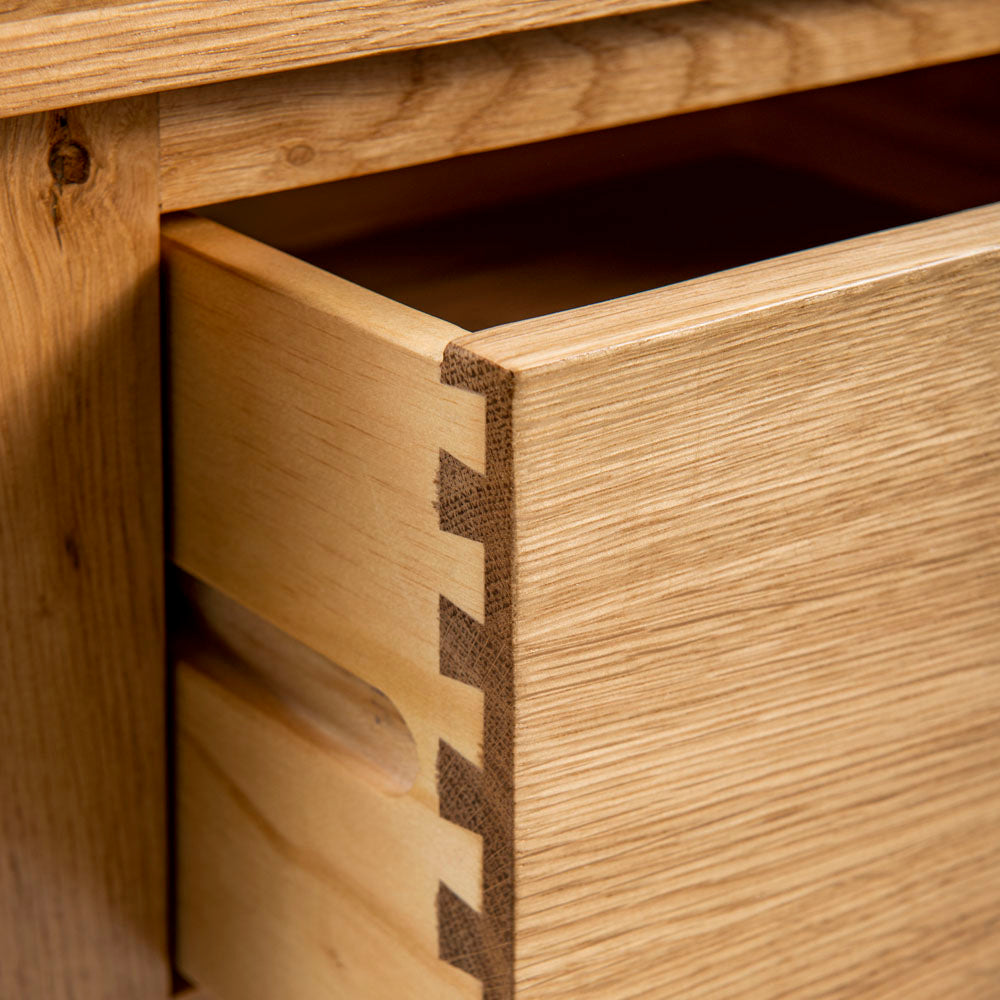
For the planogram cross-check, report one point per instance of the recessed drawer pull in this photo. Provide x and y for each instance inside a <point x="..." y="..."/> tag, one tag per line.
<point x="286" y="680"/>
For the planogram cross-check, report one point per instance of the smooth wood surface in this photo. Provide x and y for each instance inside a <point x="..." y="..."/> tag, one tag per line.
<point x="55" y="54"/>
<point x="251" y="656"/>
<point x="82" y="768"/>
<point x="251" y="136"/>
<point x="547" y="341"/>
<point x="757" y="629"/>
<point x="297" y="876"/>
<point x="307" y="423"/>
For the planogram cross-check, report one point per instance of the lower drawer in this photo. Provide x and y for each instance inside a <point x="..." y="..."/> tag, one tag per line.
<point x="650" y="647"/>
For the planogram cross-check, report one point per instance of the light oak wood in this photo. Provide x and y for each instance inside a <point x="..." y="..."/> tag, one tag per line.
<point x="757" y="627"/>
<point x="607" y="326"/>
<point x="307" y="422"/>
<point x="76" y="52"/>
<point x="82" y="768"/>
<point x="347" y="716"/>
<point x="251" y="136"/>
<point x="729" y="642"/>
<point x="297" y="875"/>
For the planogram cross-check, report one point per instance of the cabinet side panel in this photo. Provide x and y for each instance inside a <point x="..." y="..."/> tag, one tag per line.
<point x="757" y="652"/>
<point x="82" y="775"/>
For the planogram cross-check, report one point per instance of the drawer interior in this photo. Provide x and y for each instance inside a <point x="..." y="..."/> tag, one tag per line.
<point x="502" y="236"/>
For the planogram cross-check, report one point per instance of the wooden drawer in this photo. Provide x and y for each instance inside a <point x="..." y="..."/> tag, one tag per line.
<point x="645" y="648"/>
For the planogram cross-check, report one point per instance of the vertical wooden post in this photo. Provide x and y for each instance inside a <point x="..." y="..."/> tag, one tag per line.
<point x="82" y="784"/>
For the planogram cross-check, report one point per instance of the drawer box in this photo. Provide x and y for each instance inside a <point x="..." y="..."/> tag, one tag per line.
<point x="689" y="602"/>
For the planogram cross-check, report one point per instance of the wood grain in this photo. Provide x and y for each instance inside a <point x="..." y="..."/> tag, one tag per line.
<point x="296" y="877"/>
<point x="250" y="656"/>
<point x="756" y="631"/>
<point x="76" y="53"/>
<point x="650" y="316"/>
<point x="308" y="422"/>
<point x="252" y="136"/>
<point x="82" y="771"/>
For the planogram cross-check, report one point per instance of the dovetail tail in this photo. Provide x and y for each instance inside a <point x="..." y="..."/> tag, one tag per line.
<point x="465" y="648"/>
<point x="461" y="945"/>
<point x="460" y="789"/>
<point x="479" y="506"/>
<point x="462" y="498"/>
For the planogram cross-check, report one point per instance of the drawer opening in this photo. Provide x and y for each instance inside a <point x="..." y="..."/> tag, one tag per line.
<point x="507" y="235"/>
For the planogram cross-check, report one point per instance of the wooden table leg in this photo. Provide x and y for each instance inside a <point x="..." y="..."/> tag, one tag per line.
<point x="82" y="778"/>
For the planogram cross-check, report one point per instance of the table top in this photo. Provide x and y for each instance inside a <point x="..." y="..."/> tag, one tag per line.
<point x="59" y="53"/>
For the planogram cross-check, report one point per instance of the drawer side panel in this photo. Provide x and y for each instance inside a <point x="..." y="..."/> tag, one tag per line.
<point x="308" y="418"/>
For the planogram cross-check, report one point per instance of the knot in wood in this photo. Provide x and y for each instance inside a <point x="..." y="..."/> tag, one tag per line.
<point x="69" y="162"/>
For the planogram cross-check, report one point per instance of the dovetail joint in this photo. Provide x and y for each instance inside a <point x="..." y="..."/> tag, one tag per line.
<point x="479" y="506"/>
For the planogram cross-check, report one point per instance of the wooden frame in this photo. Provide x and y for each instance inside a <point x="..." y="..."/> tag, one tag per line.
<point x="82" y="658"/>
<point x="248" y="137"/>
<point x="69" y="51"/>
<point x="84" y="752"/>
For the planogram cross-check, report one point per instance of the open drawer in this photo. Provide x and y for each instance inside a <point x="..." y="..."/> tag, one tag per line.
<point x="626" y="646"/>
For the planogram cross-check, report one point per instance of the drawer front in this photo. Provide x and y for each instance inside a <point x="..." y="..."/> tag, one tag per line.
<point x="691" y="601"/>
<point x="757" y="629"/>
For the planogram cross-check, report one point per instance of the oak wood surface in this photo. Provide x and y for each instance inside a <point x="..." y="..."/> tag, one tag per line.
<point x="249" y="655"/>
<point x="251" y="136"/>
<point x="649" y="316"/>
<point x="75" y="53"/>
<point x="308" y="419"/>
<point x="296" y="876"/>
<point x="755" y="550"/>
<point x="757" y="627"/>
<point x="82" y="767"/>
